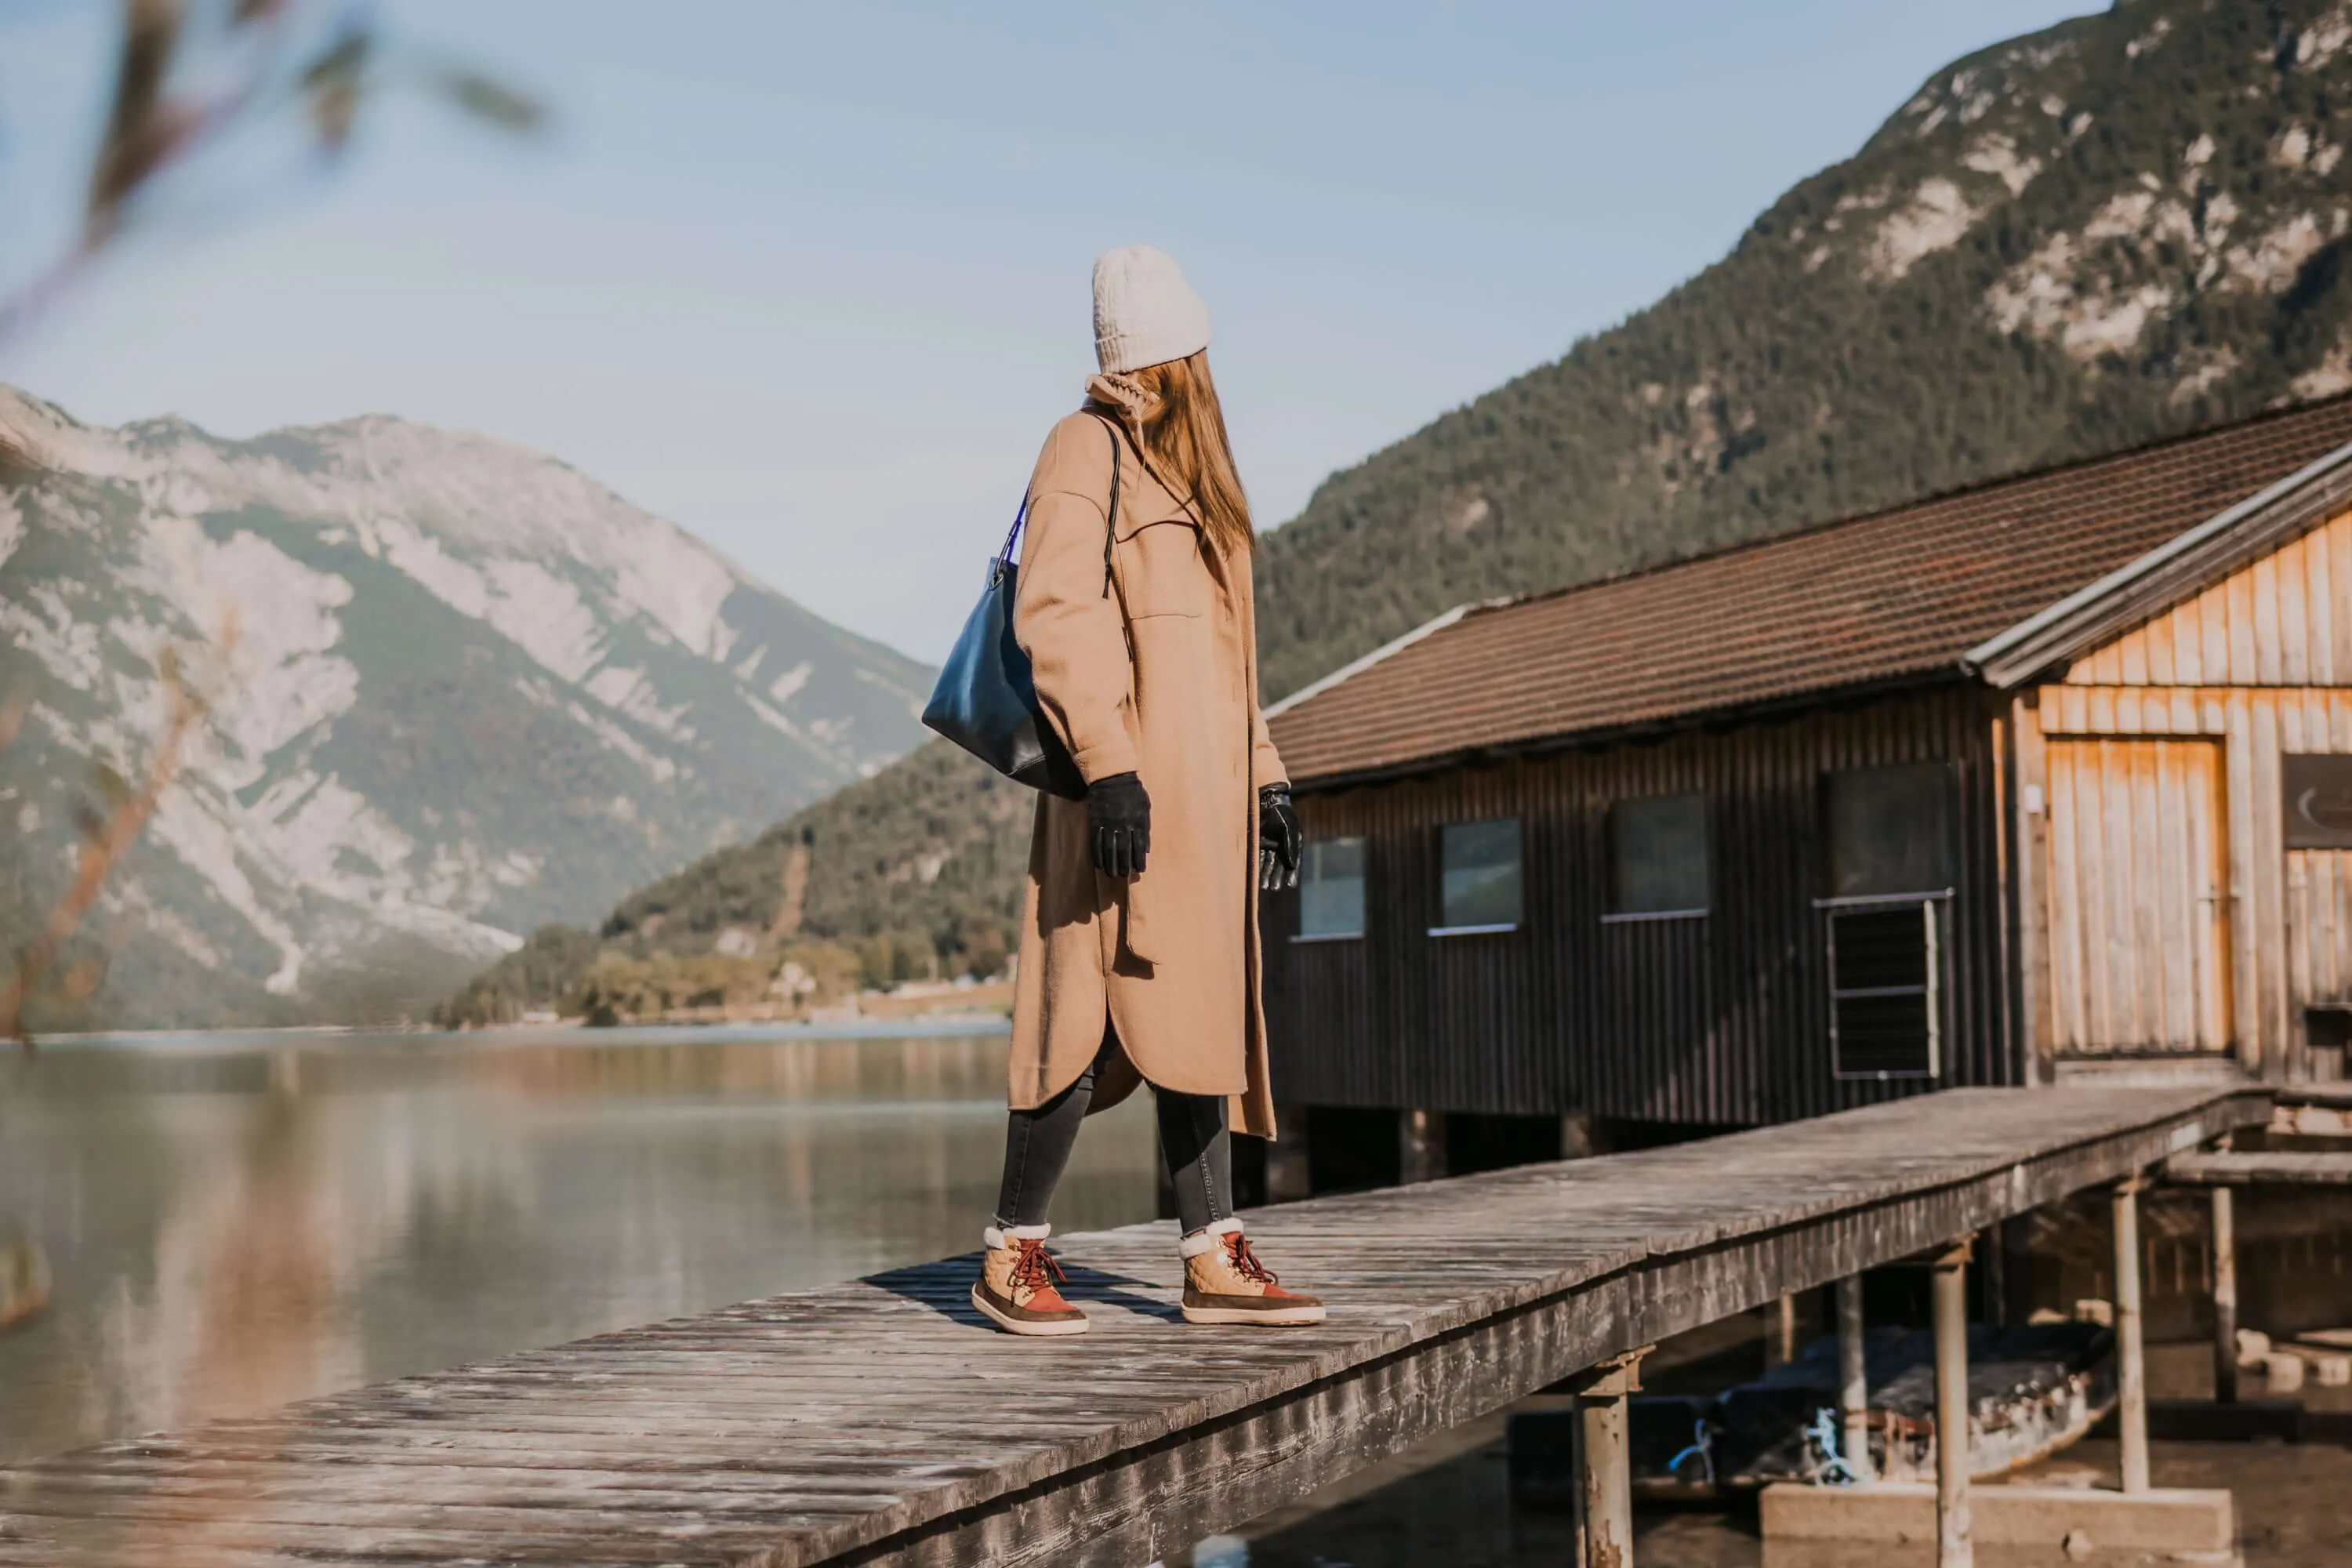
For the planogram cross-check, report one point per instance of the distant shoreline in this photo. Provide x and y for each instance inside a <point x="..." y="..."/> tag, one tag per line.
<point x="571" y="1033"/>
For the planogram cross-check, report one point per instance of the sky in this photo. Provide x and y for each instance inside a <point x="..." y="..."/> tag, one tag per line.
<point x="811" y="280"/>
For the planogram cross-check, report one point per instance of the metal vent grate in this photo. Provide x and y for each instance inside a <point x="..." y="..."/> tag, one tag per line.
<point x="1886" y="1003"/>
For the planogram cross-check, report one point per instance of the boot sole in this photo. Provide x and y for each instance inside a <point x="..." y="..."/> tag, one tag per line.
<point x="1035" y="1328"/>
<point x="1261" y="1317"/>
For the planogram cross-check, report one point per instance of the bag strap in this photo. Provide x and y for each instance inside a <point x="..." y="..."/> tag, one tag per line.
<point x="1110" y="515"/>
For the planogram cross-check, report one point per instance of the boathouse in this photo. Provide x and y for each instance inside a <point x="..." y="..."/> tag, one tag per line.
<point x="2047" y="777"/>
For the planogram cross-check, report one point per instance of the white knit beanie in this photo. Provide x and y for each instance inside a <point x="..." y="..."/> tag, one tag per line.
<point x="1145" y="313"/>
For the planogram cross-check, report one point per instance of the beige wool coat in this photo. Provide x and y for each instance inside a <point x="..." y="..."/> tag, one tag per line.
<point x="1157" y="677"/>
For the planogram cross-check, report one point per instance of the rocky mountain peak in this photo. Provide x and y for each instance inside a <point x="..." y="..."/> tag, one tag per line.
<point x="470" y="689"/>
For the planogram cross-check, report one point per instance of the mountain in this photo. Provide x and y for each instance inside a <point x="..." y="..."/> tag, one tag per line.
<point x="456" y="690"/>
<point x="2126" y="226"/>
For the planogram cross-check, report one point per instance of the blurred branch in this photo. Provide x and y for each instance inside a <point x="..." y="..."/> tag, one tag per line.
<point x="14" y="703"/>
<point x="108" y="827"/>
<point x="151" y="127"/>
<point x="140" y="128"/>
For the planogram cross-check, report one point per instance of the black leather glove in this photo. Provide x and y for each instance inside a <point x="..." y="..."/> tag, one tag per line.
<point x="1279" y="838"/>
<point x="1119" y="825"/>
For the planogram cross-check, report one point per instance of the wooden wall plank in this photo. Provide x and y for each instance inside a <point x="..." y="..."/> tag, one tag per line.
<point x="2270" y="662"/>
<point x="2339" y="597"/>
<point x="2030" y="908"/>
<point x="2319" y="584"/>
<point x="2266" y="877"/>
<point x="2294" y="564"/>
<point x="2283" y="620"/>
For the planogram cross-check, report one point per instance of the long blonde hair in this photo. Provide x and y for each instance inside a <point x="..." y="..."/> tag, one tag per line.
<point x="1181" y="426"/>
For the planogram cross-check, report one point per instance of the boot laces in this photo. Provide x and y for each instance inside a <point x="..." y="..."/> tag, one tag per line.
<point x="1245" y="1261"/>
<point x="1036" y="1269"/>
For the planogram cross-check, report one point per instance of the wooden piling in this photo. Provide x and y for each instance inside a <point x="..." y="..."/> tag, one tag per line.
<point x="2225" y="1298"/>
<point x="1955" y="1542"/>
<point x="2131" y="1368"/>
<point x="1781" y="1331"/>
<point x="1604" y="1462"/>
<point x="1420" y="1146"/>
<point x="1288" y="1171"/>
<point x="1853" y="1380"/>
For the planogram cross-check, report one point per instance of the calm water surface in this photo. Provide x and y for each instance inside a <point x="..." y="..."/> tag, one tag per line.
<point x="238" y="1221"/>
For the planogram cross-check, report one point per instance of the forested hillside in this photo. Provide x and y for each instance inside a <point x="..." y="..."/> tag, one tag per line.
<point x="917" y="871"/>
<point x="2124" y="227"/>
<point x="2128" y="225"/>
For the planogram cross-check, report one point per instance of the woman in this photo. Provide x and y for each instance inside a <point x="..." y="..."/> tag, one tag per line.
<point x="1139" y="935"/>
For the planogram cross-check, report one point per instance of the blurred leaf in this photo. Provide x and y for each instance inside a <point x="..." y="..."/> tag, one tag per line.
<point x="493" y="100"/>
<point x="343" y="60"/>
<point x="111" y="787"/>
<point x="139" y="129"/>
<point x="334" y="82"/>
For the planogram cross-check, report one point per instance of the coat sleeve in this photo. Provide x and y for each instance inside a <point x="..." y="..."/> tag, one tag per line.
<point x="1070" y="628"/>
<point x="1265" y="763"/>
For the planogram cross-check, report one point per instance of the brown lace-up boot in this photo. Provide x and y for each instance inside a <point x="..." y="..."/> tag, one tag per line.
<point x="1225" y="1283"/>
<point x="1015" y="1289"/>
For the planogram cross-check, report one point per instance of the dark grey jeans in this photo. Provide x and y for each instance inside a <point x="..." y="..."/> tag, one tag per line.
<point x="1193" y="1140"/>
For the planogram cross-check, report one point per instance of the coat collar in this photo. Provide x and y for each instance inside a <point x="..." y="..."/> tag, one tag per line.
<point x="1128" y="403"/>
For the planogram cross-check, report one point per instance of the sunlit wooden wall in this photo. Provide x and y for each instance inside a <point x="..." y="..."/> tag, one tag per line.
<point x="2258" y="666"/>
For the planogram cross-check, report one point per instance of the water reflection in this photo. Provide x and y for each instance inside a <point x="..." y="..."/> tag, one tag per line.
<point x="238" y="1222"/>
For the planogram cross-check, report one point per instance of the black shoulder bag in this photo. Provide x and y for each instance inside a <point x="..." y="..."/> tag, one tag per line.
<point x="986" y="699"/>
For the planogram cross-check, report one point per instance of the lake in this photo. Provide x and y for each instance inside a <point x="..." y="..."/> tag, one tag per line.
<point x="235" y="1221"/>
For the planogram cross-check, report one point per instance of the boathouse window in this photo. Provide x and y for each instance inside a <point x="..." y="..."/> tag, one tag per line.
<point x="1331" y="891"/>
<point x="1658" y="858"/>
<point x="1889" y="830"/>
<point x="1479" y="877"/>
<point x="1888" y="835"/>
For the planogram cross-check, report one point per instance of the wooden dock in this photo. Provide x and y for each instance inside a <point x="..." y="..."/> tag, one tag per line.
<point x="881" y="1421"/>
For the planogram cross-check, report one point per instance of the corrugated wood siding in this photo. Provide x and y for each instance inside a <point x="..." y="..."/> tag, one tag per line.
<point x="1721" y="1019"/>
<point x="2284" y="620"/>
<point x="2138" y="917"/>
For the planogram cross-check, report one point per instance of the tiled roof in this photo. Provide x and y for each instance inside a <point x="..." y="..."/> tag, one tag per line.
<point x="1886" y="598"/>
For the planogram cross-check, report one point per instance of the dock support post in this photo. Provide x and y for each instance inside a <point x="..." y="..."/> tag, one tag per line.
<point x="2131" y="1368"/>
<point x="1955" y="1542"/>
<point x="1781" y="1331"/>
<point x="1604" y="1462"/>
<point x="1580" y="1137"/>
<point x="1420" y="1146"/>
<point x="1853" y="1381"/>
<point x="2225" y="1298"/>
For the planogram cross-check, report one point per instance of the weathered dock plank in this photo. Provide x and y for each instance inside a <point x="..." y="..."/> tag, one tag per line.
<point x="881" y="1421"/>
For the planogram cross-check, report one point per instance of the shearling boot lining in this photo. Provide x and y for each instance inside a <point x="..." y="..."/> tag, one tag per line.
<point x="1202" y="1242"/>
<point x="1002" y="1237"/>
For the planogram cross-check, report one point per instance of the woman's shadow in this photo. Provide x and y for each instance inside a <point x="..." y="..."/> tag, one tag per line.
<point x="945" y="1287"/>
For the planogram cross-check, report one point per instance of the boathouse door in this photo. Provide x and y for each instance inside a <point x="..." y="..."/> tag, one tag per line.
<point x="2140" y="896"/>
